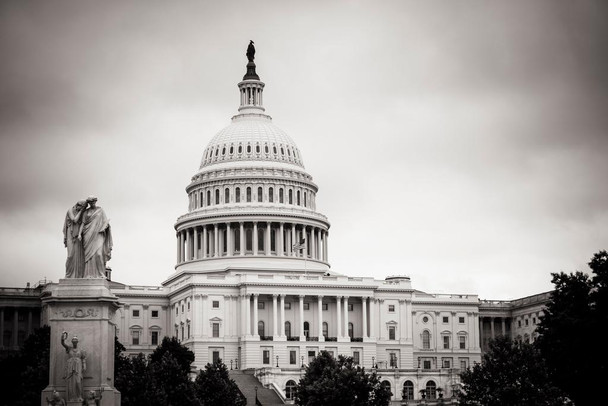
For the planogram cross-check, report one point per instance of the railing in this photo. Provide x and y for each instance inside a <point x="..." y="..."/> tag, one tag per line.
<point x="292" y="338"/>
<point x="266" y="338"/>
<point x="329" y="339"/>
<point x="312" y="338"/>
<point x="356" y="339"/>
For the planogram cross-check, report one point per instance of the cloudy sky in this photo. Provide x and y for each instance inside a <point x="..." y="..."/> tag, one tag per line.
<point x="462" y="143"/>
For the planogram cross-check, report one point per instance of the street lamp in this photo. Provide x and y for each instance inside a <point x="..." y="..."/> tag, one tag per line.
<point x="302" y="357"/>
<point x="373" y="359"/>
<point x="236" y="362"/>
<point x="231" y="365"/>
<point x="277" y="361"/>
<point x="256" y="395"/>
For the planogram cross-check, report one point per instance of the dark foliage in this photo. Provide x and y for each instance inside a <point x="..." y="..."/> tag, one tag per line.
<point x="182" y="354"/>
<point x="510" y="374"/>
<point x="215" y="388"/>
<point x="330" y="381"/>
<point x="571" y="339"/>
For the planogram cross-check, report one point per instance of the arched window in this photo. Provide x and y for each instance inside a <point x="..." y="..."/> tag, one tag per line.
<point x="282" y="151"/>
<point x="287" y="329"/>
<point x="408" y="390"/>
<point x="298" y="197"/>
<point x="387" y="385"/>
<point x="281" y="195"/>
<point x="200" y="199"/>
<point x="290" y="389"/>
<point x="260" y="239"/>
<point x="260" y="195"/>
<point x="290" y="196"/>
<point x="274" y="149"/>
<point x="217" y="196"/>
<point x="306" y="329"/>
<point x="248" y="195"/>
<point x="261" y="328"/>
<point x="208" y="198"/>
<point x="249" y="149"/>
<point x="350" y="330"/>
<point x="304" y="199"/>
<point x="266" y="148"/>
<point x="231" y="149"/>
<point x="325" y="329"/>
<point x="249" y="239"/>
<point x="431" y="390"/>
<point x="271" y="195"/>
<point x="226" y="196"/>
<point x="240" y="149"/>
<point x="224" y="151"/>
<point x="426" y="340"/>
<point x="237" y="195"/>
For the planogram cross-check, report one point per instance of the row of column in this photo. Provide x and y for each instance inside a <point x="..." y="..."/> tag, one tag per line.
<point x="251" y="95"/>
<point x="15" y="328"/>
<point x="503" y="328"/>
<point x="212" y="241"/>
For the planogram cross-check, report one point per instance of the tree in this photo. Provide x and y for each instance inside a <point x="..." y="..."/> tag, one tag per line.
<point x="168" y="385"/>
<point x="182" y="354"/>
<point x="510" y="374"/>
<point x="570" y="332"/>
<point x="215" y="388"/>
<point x="340" y="382"/>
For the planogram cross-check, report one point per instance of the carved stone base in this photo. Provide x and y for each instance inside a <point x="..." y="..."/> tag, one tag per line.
<point x="83" y="308"/>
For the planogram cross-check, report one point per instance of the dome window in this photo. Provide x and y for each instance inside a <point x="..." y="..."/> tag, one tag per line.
<point x="281" y="195"/>
<point x="304" y="199"/>
<point x="224" y="151"/>
<point x="249" y="149"/>
<point x="240" y="149"/>
<point x="208" y="198"/>
<point x="231" y="149"/>
<point x="266" y="149"/>
<point x="260" y="195"/>
<point x="274" y="149"/>
<point x="257" y="149"/>
<point x="282" y="151"/>
<point x="290" y="196"/>
<point x="288" y="152"/>
<point x="226" y="195"/>
<point x="248" y="195"/>
<point x="237" y="195"/>
<point x="217" y="196"/>
<point x="298" y="197"/>
<point x="217" y="151"/>
<point x="271" y="195"/>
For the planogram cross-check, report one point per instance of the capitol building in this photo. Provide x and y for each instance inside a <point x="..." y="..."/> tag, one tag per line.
<point x="253" y="284"/>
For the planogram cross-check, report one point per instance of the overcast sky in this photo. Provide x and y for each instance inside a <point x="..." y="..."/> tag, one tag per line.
<point x="462" y="143"/>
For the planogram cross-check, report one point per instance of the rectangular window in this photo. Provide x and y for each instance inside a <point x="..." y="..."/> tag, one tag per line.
<point x="461" y="319"/>
<point x="533" y="320"/>
<point x="306" y="306"/>
<point x="463" y="342"/>
<point x="447" y="363"/>
<point x="518" y="323"/>
<point x="216" y="329"/>
<point x="292" y="357"/>
<point x="155" y="314"/>
<point x="393" y="359"/>
<point x="154" y="338"/>
<point x="135" y="313"/>
<point x="324" y="306"/>
<point x="463" y="364"/>
<point x="526" y="321"/>
<point x="215" y="356"/>
<point x="350" y="307"/>
<point x="261" y="305"/>
<point x="391" y="332"/>
<point x="446" y="319"/>
<point x="426" y="364"/>
<point x="176" y="310"/>
<point x="446" y="342"/>
<point x="287" y="305"/>
<point x="135" y="337"/>
<point x="215" y="304"/>
<point x="311" y="356"/>
<point x="266" y="357"/>
<point x="391" y="308"/>
<point x="356" y="357"/>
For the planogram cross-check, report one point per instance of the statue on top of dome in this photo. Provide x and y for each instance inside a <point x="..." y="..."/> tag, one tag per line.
<point x="250" y="51"/>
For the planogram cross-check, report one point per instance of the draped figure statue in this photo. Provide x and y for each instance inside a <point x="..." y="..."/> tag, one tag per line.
<point x="96" y="237"/>
<point x="76" y="366"/>
<point x="74" y="264"/>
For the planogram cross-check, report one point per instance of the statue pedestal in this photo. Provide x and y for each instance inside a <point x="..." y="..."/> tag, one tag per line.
<point x="83" y="308"/>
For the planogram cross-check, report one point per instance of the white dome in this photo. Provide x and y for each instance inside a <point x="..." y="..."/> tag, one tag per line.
<point x="251" y="137"/>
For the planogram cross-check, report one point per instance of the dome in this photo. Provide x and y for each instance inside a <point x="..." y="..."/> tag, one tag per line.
<point x="251" y="137"/>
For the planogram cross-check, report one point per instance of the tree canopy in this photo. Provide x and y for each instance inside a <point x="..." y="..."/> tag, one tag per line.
<point x="215" y="388"/>
<point x="570" y="337"/>
<point x="335" y="382"/>
<point x="510" y="374"/>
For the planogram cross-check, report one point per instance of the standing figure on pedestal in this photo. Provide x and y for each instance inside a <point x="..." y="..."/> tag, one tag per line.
<point x="75" y="368"/>
<point x="96" y="240"/>
<point x="74" y="264"/>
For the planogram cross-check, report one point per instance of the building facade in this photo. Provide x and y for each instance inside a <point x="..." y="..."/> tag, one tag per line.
<point x="253" y="285"/>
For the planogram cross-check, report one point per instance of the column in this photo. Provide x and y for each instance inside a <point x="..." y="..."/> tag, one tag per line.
<point x="293" y="240"/>
<point x="480" y="331"/>
<point x="197" y="315"/>
<point x="181" y="246"/>
<point x="282" y="309"/>
<point x="502" y="322"/>
<point x="338" y="317"/>
<point x="195" y="243"/>
<point x="364" y="316"/>
<point x="205" y="242"/>
<point x="274" y="316"/>
<point x="228" y="240"/>
<point x="188" y="248"/>
<point x="302" y="318"/>
<point x="492" y="327"/>
<point x="305" y="238"/>
<point x="244" y="313"/>
<point x="345" y="316"/>
<point x="325" y="246"/>
<point x="320" y="317"/>
<point x="313" y="248"/>
<point x="255" y="315"/>
<point x="15" y="329"/>
<point x="281" y="246"/>
<point x="319" y="248"/>
<point x="179" y="254"/>
<point x="477" y="334"/>
<point x="216" y="240"/>
<point x="242" y="238"/>
<point x="255" y="238"/>
<point x="267" y="245"/>
<point x="372" y="318"/>
<point x="402" y="321"/>
<point x="248" y="314"/>
<point x="29" y="322"/>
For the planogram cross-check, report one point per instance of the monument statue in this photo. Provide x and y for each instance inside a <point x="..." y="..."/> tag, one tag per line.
<point x="74" y="264"/>
<point x="250" y="51"/>
<point x="55" y="400"/>
<point x="96" y="237"/>
<point x="75" y="368"/>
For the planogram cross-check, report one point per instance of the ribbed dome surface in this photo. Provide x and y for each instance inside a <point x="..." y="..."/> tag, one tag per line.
<point x="251" y="138"/>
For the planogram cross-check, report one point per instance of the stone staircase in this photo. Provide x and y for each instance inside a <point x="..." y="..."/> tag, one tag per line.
<point x="247" y="383"/>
